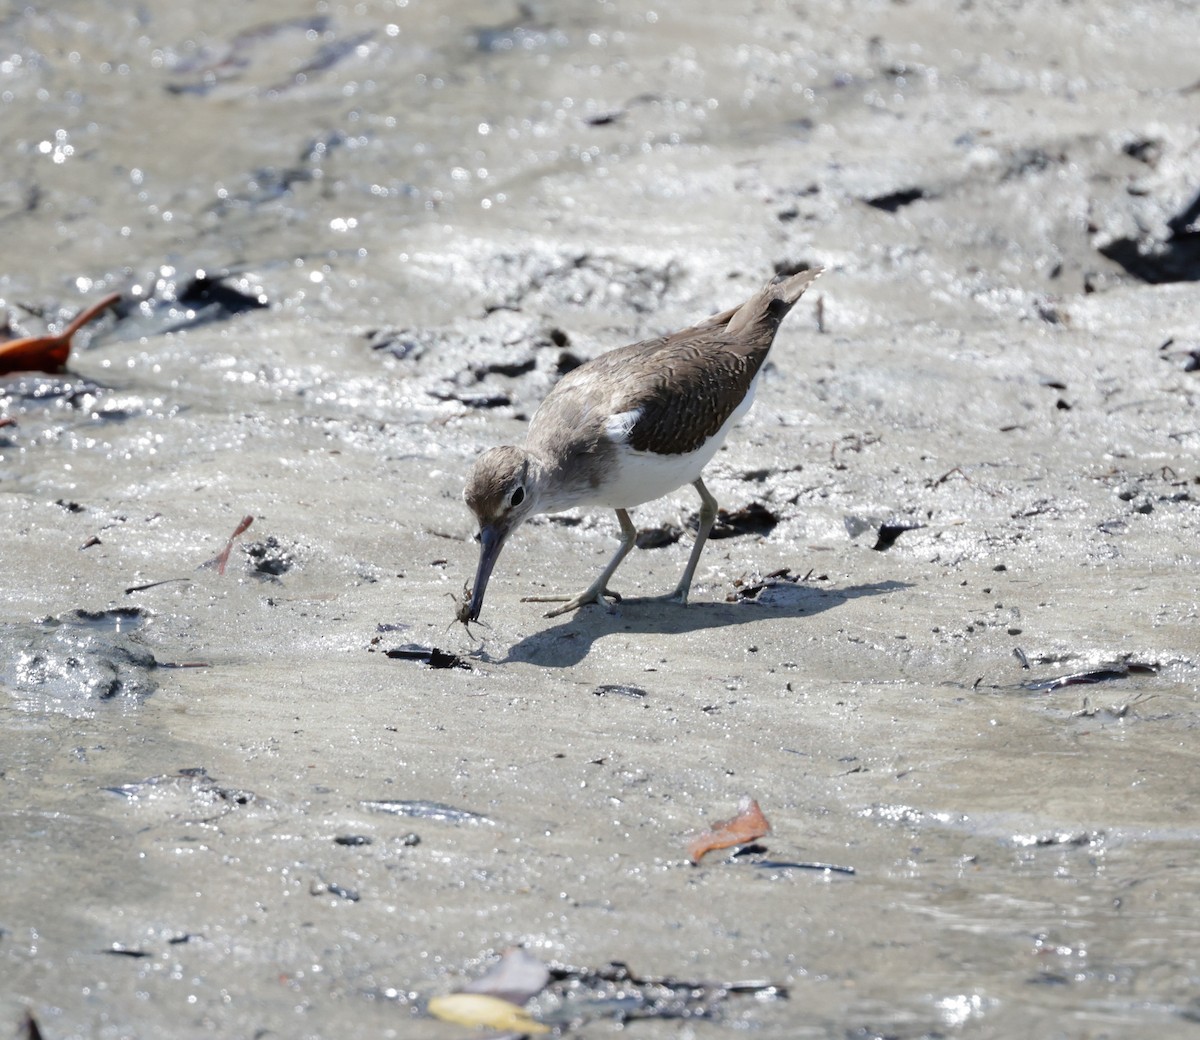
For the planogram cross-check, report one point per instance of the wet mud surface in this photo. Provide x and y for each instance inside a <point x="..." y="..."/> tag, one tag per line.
<point x="258" y="781"/>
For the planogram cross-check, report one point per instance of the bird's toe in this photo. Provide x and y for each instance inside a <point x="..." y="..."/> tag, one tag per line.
<point x="586" y="598"/>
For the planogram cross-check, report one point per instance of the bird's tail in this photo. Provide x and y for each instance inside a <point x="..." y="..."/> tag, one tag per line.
<point x="770" y="305"/>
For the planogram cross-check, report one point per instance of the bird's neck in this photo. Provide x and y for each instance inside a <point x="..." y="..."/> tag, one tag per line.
<point x="554" y="486"/>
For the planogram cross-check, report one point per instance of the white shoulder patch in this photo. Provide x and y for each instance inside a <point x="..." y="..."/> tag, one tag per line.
<point x="618" y="427"/>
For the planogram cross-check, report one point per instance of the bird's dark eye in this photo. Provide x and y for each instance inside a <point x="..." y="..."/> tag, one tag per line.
<point x="518" y="496"/>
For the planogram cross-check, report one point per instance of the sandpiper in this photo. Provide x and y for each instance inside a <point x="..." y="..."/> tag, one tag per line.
<point x="628" y="427"/>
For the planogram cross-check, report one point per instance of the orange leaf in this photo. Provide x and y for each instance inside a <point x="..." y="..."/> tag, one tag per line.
<point x="748" y="825"/>
<point x="34" y="354"/>
<point x="48" y="353"/>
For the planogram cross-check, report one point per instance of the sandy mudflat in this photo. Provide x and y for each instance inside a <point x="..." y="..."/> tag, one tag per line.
<point x="409" y="219"/>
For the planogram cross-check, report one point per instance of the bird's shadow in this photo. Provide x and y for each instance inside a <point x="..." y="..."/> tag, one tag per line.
<point x="569" y="641"/>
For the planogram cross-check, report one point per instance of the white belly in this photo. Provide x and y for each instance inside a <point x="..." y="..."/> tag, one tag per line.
<point x="643" y="476"/>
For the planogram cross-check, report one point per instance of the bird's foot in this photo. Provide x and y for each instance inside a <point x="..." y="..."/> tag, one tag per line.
<point x="679" y="595"/>
<point x="588" y="596"/>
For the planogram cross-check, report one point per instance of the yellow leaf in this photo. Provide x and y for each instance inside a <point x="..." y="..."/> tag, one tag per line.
<point x="478" y="1009"/>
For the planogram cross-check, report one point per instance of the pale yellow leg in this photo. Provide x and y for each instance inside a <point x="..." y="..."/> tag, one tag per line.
<point x="598" y="589"/>
<point x="708" y="515"/>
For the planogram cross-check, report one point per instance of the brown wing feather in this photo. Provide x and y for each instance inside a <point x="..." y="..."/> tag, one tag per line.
<point x="685" y="385"/>
<point x="699" y="380"/>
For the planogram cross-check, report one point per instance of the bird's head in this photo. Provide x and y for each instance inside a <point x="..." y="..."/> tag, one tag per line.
<point x="502" y="493"/>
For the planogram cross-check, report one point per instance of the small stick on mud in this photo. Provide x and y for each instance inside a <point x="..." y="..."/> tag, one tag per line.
<point x="152" y="585"/>
<point x="223" y="557"/>
<point x="958" y="470"/>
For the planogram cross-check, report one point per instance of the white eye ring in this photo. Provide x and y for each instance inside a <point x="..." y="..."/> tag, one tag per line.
<point x="518" y="496"/>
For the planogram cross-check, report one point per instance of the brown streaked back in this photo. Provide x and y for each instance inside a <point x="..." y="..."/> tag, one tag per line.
<point x="682" y="387"/>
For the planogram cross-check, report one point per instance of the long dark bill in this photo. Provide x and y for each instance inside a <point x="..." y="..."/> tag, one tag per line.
<point x="491" y="541"/>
